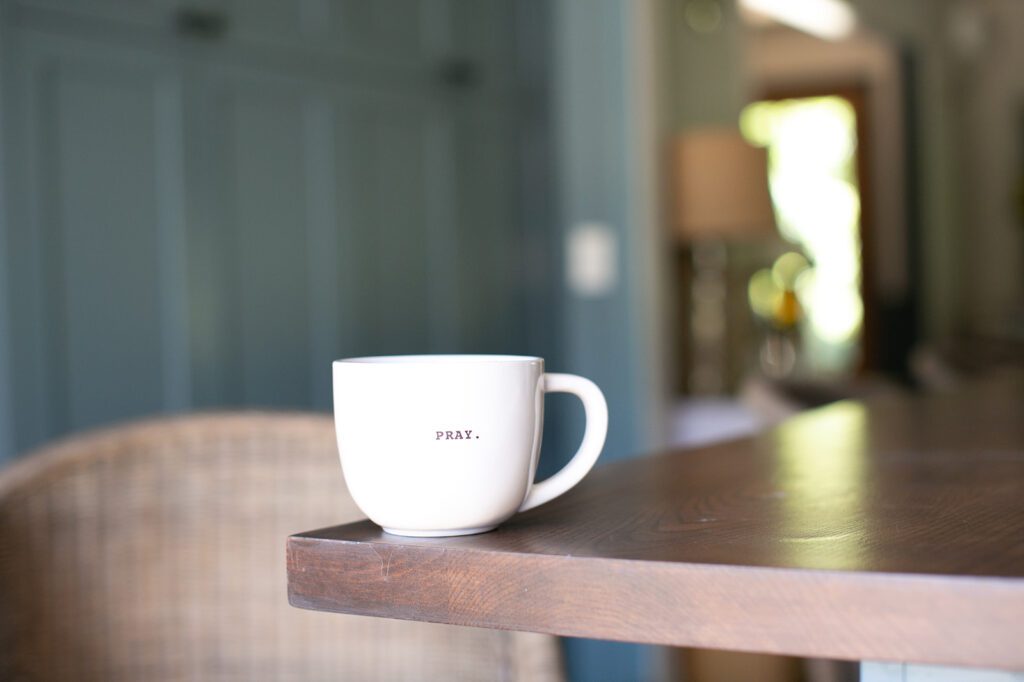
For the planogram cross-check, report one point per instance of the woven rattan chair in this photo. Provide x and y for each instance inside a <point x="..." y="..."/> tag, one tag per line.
<point x="155" y="551"/>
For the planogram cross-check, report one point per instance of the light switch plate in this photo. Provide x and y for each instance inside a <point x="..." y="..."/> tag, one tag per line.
<point x="592" y="260"/>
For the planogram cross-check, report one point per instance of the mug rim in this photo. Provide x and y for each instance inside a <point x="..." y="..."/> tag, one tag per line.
<point x="439" y="359"/>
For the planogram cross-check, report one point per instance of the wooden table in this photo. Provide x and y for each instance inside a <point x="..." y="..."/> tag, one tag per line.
<point x="887" y="531"/>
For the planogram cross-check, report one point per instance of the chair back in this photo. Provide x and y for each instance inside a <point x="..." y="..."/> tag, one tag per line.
<point x="155" y="551"/>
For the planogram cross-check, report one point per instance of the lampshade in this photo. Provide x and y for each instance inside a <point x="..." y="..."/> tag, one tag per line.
<point x="721" y="187"/>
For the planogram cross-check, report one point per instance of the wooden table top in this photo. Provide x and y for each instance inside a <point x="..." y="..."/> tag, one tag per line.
<point x="892" y="530"/>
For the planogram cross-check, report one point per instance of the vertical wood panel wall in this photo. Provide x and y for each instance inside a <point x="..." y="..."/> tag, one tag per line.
<point x="194" y="222"/>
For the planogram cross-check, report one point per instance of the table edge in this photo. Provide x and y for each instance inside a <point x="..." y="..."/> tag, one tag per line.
<point x="922" y="618"/>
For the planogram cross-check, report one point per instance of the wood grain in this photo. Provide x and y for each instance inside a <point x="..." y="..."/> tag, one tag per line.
<point x="892" y="530"/>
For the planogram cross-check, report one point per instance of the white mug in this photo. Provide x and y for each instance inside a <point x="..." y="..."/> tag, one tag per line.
<point x="438" y="445"/>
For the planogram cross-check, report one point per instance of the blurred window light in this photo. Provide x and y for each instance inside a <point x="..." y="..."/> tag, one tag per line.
<point x="827" y="19"/>
<point x="812" y="145"/>
<point x="764" y="294"/>
<point x="787" y="269"/>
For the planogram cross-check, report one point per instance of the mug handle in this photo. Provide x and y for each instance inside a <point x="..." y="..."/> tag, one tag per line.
<point x="596" y="410"/>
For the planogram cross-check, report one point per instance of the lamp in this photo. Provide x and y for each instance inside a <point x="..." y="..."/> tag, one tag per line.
<point x="721" y="191"/>
<point x="721" y="187"/>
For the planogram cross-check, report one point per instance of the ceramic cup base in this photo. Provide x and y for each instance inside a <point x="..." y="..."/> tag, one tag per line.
<point x="438" y="533"/>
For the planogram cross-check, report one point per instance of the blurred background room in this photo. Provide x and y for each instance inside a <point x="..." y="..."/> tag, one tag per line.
<point x="722" y="211"/>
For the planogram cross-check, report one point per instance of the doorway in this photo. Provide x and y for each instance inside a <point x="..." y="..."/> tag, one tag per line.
<point x="817" y="169"/>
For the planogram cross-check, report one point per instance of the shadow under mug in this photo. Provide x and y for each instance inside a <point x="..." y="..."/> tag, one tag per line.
<point x="438" y="445"/>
